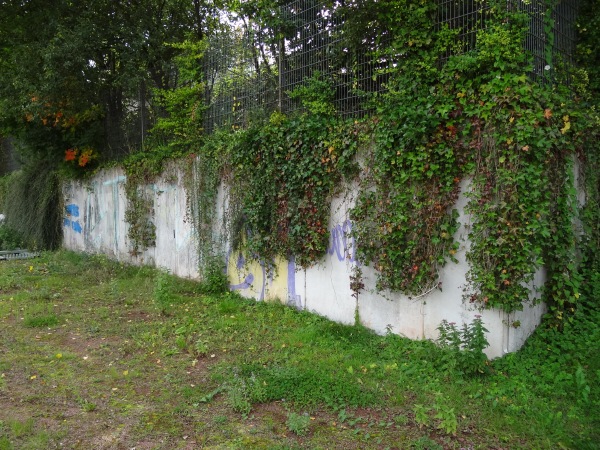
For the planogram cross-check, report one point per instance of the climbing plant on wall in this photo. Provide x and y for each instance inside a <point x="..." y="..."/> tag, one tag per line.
<point x="588" y="58"/>
<point x="285" y="172"/>
<point x="475" y="115"/>
<point x="404" y="218"/>
<point x="452" y="116"/>
<point x="176" y="134"/>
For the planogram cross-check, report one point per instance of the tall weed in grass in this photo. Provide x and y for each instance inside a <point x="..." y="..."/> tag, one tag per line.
<point x="214" y="277"/>
<point x="463" y="348"/>
<point x="163" y="297"/>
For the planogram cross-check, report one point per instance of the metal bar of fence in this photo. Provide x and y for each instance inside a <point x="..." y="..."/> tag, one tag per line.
<point x="17" y="254"/>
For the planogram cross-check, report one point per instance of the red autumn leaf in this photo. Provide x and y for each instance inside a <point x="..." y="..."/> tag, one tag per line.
<point x="70" y="154"/>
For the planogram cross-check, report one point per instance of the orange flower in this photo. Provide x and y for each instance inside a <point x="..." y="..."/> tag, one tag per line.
<point x="85" y="157"/>
<point x="70" y="154"/>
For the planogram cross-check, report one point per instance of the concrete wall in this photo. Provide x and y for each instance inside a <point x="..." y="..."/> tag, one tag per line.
<point x="94" y="222"/>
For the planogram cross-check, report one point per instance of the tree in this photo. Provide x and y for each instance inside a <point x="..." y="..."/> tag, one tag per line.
<point x="79" y="75"/>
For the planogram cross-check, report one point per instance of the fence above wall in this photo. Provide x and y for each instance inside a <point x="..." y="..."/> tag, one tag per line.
<point x="251" y="68"/>
<point x="252" y="65"/>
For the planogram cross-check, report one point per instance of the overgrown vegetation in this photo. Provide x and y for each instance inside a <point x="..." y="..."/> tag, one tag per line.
<point x="32" y="200"/>
<point x="480" y="117"/>
<point x="478" y="120"/>
<point x="285" y="173"/>
<point x="448" y="115"/>
<point x="88" y="342"/>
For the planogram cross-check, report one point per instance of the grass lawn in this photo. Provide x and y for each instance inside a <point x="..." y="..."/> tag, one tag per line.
<point x="99" y="355"/>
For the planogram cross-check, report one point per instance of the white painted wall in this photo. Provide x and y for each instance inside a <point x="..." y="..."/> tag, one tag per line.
<point x="94" y="222"/>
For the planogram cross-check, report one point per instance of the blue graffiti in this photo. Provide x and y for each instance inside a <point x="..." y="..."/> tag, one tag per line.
<point x="71" y="211"/>
<point x="77" y="227"/>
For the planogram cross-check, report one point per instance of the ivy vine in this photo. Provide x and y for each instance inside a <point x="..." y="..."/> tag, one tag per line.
<point x="286" y="172"/>
<point x="479" y="115"/>
<point x="453" y="115"/>
<point x="140" y="170"/>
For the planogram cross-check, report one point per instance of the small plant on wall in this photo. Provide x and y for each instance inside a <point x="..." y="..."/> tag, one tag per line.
<point x="141" y="169"/>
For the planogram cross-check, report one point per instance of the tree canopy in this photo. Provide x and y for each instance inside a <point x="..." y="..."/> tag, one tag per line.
<point x="76" y="77"/>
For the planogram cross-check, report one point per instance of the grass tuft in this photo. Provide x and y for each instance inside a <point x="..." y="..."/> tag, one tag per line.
<point x="46" y="321"/>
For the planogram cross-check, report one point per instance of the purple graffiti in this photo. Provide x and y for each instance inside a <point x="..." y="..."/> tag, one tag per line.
<point x="249" y="278"/>
<point x="247" y="283"/>
<point x="294" y="299"/>
<point x="342" y="243"/>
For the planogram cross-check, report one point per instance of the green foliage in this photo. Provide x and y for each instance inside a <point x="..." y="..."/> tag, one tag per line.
<point x="588" y="29"/>
<point x="446" y="415"/>
<point x="80" y="76"/>
<point x="564" y="363"/>
<point x="285" y="173"/>
<point x="404" y="221"/>
<point x="44" y="321"/>
<point x="33" y="206"/>
<point x="243" y="392"/>
<point x="214" y="277"/>
<point x="10" y="239"/>
<point x="422" y="415"/>
<point x="478" y="117"/>
<point x="202" y="176"/>
<point x="163" y="296"/>
<point x="298" y="423"/>
<point x="426" y="443"/>
<point x="177" y="133"/>
<point x="179" y="128"/>
<point x="463" y="348"/>
<point x="316" y="95"/>
<point x="589" y="245"/>
<point x="141" y="169"/>
<point x="139" y="214"/>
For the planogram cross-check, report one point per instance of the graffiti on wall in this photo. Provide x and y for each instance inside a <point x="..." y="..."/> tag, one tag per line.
<point x="71" y="218"/>
<point x="342" y="243"/>
<point x="277" y="279"/>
